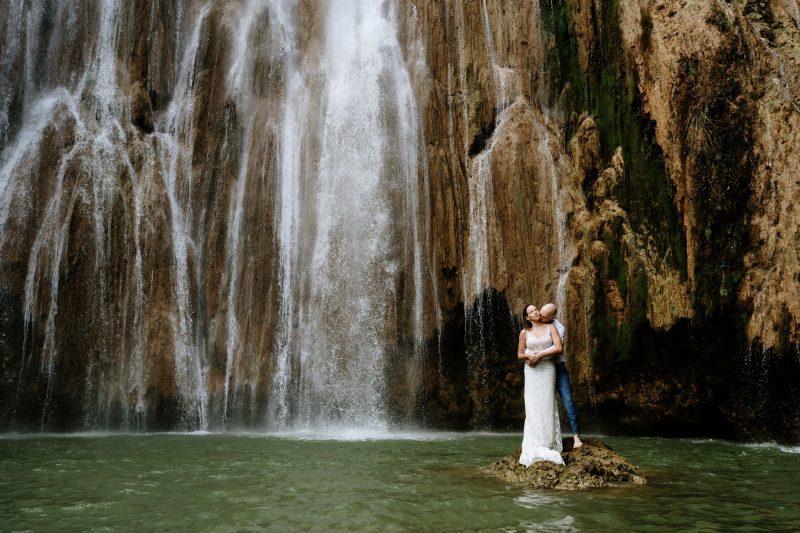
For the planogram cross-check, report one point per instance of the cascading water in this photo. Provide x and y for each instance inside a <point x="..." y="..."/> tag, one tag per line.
<point x="481" y="204"/>
<point x="340" y="311"/>
<point x="82" y="106"/>
<point x="504" y="79"/>
<point x="479" y="182"/>
<point x="288" y="234"/>
<point x="153" y="227"/>
<point x="239" y="83"/>
<point x="86" y="105"/>
<point x="172" y="137"/>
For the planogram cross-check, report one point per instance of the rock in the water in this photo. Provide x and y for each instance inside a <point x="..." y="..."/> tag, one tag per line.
<point x="592" y="465"/>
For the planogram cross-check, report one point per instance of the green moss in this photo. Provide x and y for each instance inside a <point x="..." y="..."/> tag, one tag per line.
<point x="718" y="18"/>
<point x="609" y="92"/>
<point x="616" y="338"/>
<point x="569" y="87"/>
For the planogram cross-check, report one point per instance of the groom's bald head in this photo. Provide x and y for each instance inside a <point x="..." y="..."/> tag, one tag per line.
<point x="548" y="312"/>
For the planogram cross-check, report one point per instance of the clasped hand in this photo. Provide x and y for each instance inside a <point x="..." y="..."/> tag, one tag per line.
<point x="534" y="359"/>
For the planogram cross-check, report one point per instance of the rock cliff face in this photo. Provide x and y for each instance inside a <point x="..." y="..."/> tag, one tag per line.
<point x="711" y="81"/>
<point x="185" y="191"/>
<point x="669" y="129"/>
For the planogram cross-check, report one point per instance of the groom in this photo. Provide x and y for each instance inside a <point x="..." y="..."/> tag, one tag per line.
<point x="548" y="314"/>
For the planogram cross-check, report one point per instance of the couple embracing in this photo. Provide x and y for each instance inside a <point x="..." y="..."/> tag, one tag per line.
<point x="541" y="346"/>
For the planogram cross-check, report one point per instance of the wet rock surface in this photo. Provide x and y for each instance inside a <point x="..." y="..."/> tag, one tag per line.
<point x="591" y="466"/>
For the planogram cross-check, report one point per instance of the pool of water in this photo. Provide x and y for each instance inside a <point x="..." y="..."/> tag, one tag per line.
<point x="361" y="482"/>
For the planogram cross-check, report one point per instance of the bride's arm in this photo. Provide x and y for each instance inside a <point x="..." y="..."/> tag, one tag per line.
<point x="555" y="349"/>
<point x="521" y="355"/>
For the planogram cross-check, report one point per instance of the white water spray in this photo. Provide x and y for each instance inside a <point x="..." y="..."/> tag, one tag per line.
<point x="338" y="296"/>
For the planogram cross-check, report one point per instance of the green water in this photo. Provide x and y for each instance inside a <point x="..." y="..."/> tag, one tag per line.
<point x="419" y="482"/>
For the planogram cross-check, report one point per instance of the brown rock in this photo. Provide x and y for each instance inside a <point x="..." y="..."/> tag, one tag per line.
<point x="593" y="465"/>
<point x="141" y="109"/>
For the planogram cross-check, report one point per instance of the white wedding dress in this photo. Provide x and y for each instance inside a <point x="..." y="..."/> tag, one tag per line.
<point x="541" y="440"/>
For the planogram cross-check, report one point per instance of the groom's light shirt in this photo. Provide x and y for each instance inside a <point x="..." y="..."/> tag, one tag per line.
<point x="562" y="332"/>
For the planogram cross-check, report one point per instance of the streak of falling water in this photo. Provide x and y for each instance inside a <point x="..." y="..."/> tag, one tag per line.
<point x="480" y="204"/>
<point x="490" y="52"/>
<point x="505" y="82"/>
<point x="559" y="221"/>
<point x="413" y="163"/>
<point x="173" y="134"/>
<point x="479" y="170"/>
<point x="239" y="85"/>
<point x="479" y="182"/>
<point x="756" y="368"/>
<point x="132" y="379"/>
<point x="232" y="263"/>
<point x="289" y="221"/>
<point x="475" y="277"/>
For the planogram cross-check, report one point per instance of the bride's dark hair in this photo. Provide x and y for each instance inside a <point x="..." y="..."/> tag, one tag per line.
<point x="528" y="323"/>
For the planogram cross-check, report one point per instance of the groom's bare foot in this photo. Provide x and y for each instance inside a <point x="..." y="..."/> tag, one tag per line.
<point x="576" y="441"/>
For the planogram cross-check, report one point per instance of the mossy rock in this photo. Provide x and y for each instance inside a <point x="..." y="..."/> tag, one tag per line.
<point x="593" y="465"/>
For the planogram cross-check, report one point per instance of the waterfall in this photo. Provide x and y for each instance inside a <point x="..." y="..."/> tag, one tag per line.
<point x="477" y="278"/>
<point x="361" y="217"/>
<point x="93" y="176"/>
<point x="82" y="107"/>
<point x="480" y="205"/>
<point x="50" y="238"/>
<point x="476" y="275"/>
<point x="479" y="180"/>
<point x="479" y="176"/>
<point x="152" y="226"/>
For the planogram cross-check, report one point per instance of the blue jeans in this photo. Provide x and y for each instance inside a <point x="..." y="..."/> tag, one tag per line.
<point x="565" y="391"/>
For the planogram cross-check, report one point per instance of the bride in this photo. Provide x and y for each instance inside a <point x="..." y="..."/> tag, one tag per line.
<point x="541" y="440"/>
